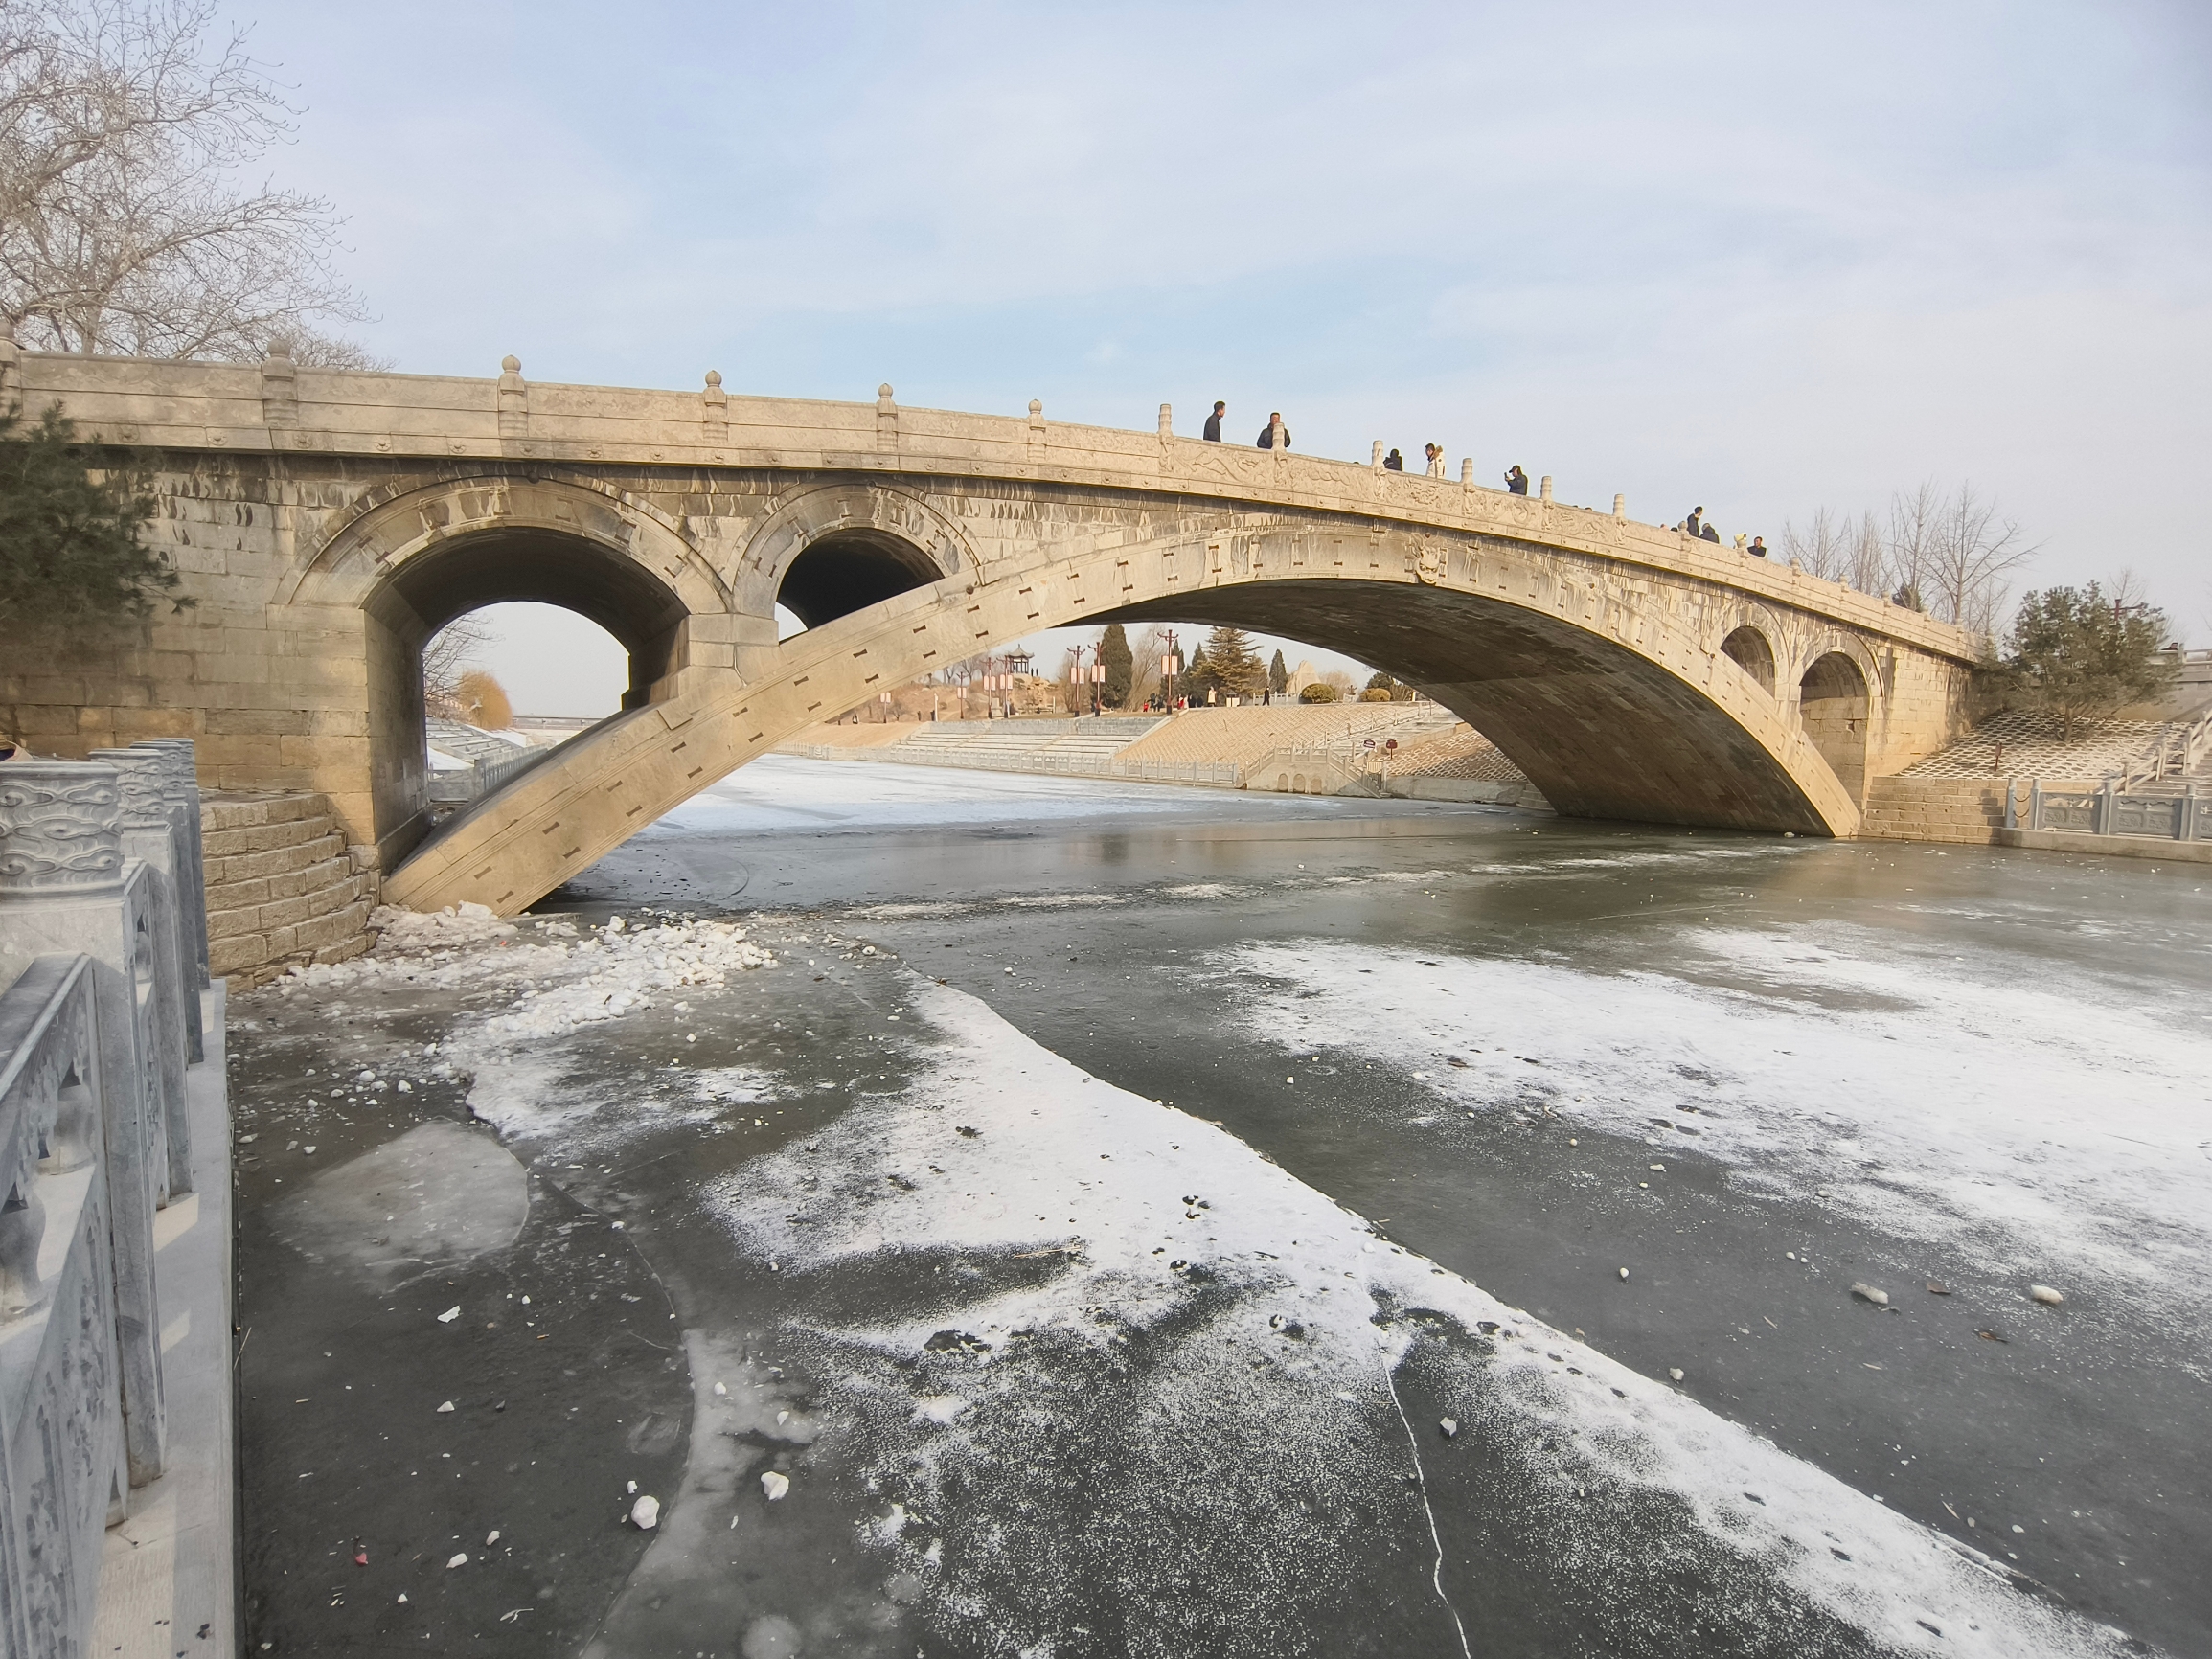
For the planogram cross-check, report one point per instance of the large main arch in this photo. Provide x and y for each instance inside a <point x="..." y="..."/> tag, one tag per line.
<point x="1613" y="710"/>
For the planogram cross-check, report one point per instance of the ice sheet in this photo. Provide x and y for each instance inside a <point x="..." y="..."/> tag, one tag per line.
<point x="1273" y="1323"/>
<point x="2049" y="1126"/>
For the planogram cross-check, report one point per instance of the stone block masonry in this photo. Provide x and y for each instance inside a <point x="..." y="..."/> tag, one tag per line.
<point x="283" y="886"/>
<point x="1968" y="811"/>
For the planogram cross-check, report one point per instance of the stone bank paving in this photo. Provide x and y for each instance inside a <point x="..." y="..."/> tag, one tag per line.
<point x="1115" y="1224"/>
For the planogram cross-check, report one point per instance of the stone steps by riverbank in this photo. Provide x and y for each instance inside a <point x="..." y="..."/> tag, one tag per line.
<point x="1962" y="810"/>
<point x="283" y="886"/>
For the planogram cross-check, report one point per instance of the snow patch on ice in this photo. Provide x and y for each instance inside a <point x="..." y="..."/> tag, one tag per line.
<point x="1117" y="1227"/>
<point x="2025" y="1123"/>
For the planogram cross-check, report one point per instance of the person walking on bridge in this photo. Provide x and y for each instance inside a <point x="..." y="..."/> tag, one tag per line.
<point x="1274" y="435"/>
<point x="1517" y="481"/>
<point x="1435" y="453"/>
<point x="1694" y="525"/>
<point x="1213" y="422"/>
<point x="1394" y="461"/>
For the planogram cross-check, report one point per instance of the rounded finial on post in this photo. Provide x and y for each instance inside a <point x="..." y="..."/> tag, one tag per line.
<point x="510" y="364"/>
<point x="1036" y="407"/>
<point x="713" y="377"/>
<point x="883" y="392"/>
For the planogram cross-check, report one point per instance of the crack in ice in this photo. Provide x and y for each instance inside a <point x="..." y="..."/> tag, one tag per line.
<point x="1420" y="1485"/>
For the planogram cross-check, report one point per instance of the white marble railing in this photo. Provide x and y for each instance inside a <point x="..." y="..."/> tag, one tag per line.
<point x="102" y="953"/>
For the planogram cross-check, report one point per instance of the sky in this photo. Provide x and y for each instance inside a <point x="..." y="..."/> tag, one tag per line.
<point x="1763" y="259"/>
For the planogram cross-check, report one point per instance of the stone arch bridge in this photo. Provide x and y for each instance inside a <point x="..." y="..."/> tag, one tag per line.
<point x="326" y="523"/>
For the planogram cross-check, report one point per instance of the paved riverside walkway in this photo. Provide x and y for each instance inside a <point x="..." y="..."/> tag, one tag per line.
<point x="168" y="1573"/>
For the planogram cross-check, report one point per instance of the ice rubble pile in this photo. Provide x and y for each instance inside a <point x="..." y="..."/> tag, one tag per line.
<point x="560" y="980"/>
<point x="415" y="933"/>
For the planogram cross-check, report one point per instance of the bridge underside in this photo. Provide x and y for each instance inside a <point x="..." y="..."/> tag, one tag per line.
<point x="1603" y="731"/>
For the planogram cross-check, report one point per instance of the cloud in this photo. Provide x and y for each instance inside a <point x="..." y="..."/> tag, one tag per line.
<point x="1764" y="256"/>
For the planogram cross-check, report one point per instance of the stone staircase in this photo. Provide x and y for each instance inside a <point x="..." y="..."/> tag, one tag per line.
<point x="283" y="887"/>
<point x="1963" y="810"/>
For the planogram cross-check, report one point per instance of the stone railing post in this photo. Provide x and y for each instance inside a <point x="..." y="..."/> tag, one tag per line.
<point x="1467" y="472"/>
<point x="1544" y="489"/>
<point x="183" y="791"/>
<point x="151" y="835"/>
<point x="1374" y="461"/>
<point x="1035" y="429"/>
<point x="886" y="421"/>
<point x="1167" y="425"/>
<point x="66" y="888"/>
<point x="1620" y="509"/>
<point x="513" y="399"/>
<point x="280" y="390"/>
<point x="715" y="409"/>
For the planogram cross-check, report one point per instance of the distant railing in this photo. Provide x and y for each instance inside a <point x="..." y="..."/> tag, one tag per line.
<point x="2105" y="809"/>
<point x="1040" y="762"/>
<point x="102" y="953"/>
<point x="464" y="784"/>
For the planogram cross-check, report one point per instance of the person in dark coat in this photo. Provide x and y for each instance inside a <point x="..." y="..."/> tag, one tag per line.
<point x="1517" y="481"/>
<point x="1758" y="547"/>
<point x="1274" y="435"/>
<point x="1708" y="533"/>
<point x="1694" y="523"/>
<point x="1394" y="461"/>
<point x="1214" y="424"/>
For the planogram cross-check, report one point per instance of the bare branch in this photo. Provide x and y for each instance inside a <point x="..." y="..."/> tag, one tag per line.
<point x="123" y="229"/>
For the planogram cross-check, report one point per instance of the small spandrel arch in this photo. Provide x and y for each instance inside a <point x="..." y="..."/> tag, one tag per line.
<point x="1833" y="707"/>
<point x="1749" y="649"/>
<point x="849" y="570"/>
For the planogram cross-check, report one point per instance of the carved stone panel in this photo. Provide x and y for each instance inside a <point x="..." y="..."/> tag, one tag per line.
<point x="60" y="828"/>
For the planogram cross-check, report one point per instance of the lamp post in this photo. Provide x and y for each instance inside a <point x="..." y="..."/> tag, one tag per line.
<point x="1171" y="664"/>
<point x="1077" y="674"/>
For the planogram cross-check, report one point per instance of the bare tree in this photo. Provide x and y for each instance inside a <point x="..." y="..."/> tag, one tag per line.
<point x="451" y="652"/>
<point x="1914" y="527"/>
<point x="123" y="125"/>
<point x="1951" y="555"/>
<point x="1973" y="552"/>
<point x="1847" y="549"/>
<point x="1145" y="676"/>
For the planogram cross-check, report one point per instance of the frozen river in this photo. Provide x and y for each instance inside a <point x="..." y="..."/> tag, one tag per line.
<point x="1077" y="1220"/>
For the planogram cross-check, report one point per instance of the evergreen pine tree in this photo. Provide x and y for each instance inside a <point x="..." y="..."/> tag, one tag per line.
<point x="70" y="556"/>
<point x="1235" y="665"/>
<point x="2084" y="656"/>
<point x="1278" y="677"/>
<point x="1198" y="677"/>
<point x="1113" y="651"/>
